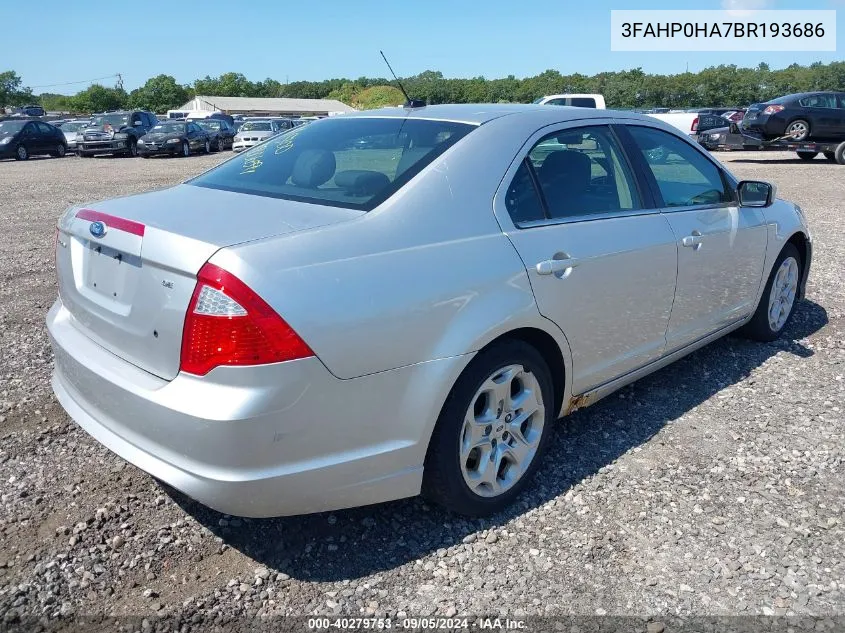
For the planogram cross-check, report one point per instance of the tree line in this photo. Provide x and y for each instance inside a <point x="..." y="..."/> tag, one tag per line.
<point x="724" y="85"/>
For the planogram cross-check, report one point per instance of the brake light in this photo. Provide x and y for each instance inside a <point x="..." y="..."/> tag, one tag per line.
<point x="773" y="109"/>
<point x="229" y="324"/>
<point x="694" y="127"/>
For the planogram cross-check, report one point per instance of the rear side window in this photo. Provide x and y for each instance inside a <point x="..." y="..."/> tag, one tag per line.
<point x="347" y="162"/>
<point x="583" y="102"/>
<point x="522" y="201"/>
<point x="684" y="176"/>
<point x="818" y="101"/>
<point x="581" y="172"/>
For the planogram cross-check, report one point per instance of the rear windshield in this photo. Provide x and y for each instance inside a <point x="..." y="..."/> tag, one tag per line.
<point x="347" y="162"/>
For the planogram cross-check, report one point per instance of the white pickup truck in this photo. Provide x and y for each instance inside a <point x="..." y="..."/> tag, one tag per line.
<point x="686" y="122"/>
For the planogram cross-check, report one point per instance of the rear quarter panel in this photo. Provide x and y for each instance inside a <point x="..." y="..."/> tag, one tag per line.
<point x="427" y="275"/>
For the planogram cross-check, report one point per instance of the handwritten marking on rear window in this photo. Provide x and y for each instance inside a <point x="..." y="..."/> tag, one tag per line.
<point x="252" y="159"/>
<point x="286" y="142"/>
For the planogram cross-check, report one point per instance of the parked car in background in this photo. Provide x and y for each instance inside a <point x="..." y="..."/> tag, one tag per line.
<point x="174" y="138"/>
<point x="224" y="334"/>
<point x="254" y="131"/>
<point x="32" y="110"/>
<point x="735" y="116"/>
<point x="575" y="100"/>
<point x="686" y="122"/>
<point x="23" y="138"/>
<point x="802" y="116"/>
<point x="71" y="131"/>
<point x="115" y="133"/>
<point x="220" y="132"/>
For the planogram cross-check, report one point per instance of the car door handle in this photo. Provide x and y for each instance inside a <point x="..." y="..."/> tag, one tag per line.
<point x="552" y="266"/>
<point x="692" y="241"/>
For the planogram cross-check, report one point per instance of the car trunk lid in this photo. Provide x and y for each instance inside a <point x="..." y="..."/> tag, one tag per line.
<point x="127" y="267"/>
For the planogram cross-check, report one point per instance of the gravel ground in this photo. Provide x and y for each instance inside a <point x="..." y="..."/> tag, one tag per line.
<point x="714" y="487"/>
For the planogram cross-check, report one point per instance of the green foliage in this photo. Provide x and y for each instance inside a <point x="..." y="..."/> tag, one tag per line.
<point x="159" y="94"/>
<point x="12" y="91"/>
<point x="378" y="97"/>
<point x="97" y="98"/>
<point x="718" y="85"/>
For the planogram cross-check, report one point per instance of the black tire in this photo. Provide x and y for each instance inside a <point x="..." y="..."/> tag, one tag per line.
<point x="132" y="152"/>
<point x="443" y="481"/>
<point x="59" y="152"/>
<point x="807" y="155"/>
<point x="801" y="129"/>
<point x="831" y="156"/>
<point x="186" y="149"/>
<point x="145" y="155"/>
<point x="21" y="153"/>
<point x="221" y="145"/>
<point x="839" y="154"/>
<point x="758" y="328"/>
<point x="207" y="147"/>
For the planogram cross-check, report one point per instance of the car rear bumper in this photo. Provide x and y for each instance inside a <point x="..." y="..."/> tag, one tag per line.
<point x="281" y="439"/>
<point x="765" y="124"/>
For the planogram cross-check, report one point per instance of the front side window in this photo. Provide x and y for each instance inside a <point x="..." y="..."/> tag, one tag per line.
<point x="334" y="161"/>
<point x="684" y="176"/>
<point x="581" y="172"/>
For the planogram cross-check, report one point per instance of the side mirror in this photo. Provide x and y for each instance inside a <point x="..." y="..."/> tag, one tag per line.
<point x="755" y="193"/>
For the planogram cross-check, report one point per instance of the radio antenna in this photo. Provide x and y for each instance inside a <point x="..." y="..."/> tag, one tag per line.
<point x="409" y="103"/>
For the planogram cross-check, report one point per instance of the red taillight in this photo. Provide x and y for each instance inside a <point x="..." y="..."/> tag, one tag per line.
<point x="773" y="109"/>
<point x="229" y="324"/>
<point x="694" y="127"/>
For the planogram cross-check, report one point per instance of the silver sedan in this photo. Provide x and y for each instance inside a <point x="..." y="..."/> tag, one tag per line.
<point x="402" y="301"/>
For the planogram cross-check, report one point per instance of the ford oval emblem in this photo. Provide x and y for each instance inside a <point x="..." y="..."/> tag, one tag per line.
<point x="98" y="229"/>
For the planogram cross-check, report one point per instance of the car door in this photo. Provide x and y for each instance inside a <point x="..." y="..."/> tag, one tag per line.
<point x="47" y="140"/>
<point x="839" y="131"/>
<point x="721" y="247"/>
<point x="600" y="258"/>
<point x="31" y="138"/>
<point x="197" y="135"/>
<point x="821" y="112"/>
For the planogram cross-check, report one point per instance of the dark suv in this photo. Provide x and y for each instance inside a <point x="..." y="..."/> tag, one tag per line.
<point x="115" y="133"/>
<point x="818" y="115"/>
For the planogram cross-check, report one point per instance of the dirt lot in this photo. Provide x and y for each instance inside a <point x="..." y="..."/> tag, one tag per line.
<point x="716" y="486"/>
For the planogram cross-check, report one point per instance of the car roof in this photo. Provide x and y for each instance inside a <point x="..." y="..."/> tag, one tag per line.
<point x="479" y="113"/>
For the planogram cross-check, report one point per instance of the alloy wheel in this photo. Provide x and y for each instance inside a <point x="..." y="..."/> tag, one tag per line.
<point x="782" y="293"/>
<point x="798" y="130"/>
<point x="501" y="431"/>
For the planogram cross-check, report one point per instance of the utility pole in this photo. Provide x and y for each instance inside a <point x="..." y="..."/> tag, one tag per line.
<point x="119" y="84"/>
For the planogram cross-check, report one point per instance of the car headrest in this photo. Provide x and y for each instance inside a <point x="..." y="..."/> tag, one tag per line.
<point x="567" y="167"/>
<point x="313" y="168"/>
<point x="361" y="182"/>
